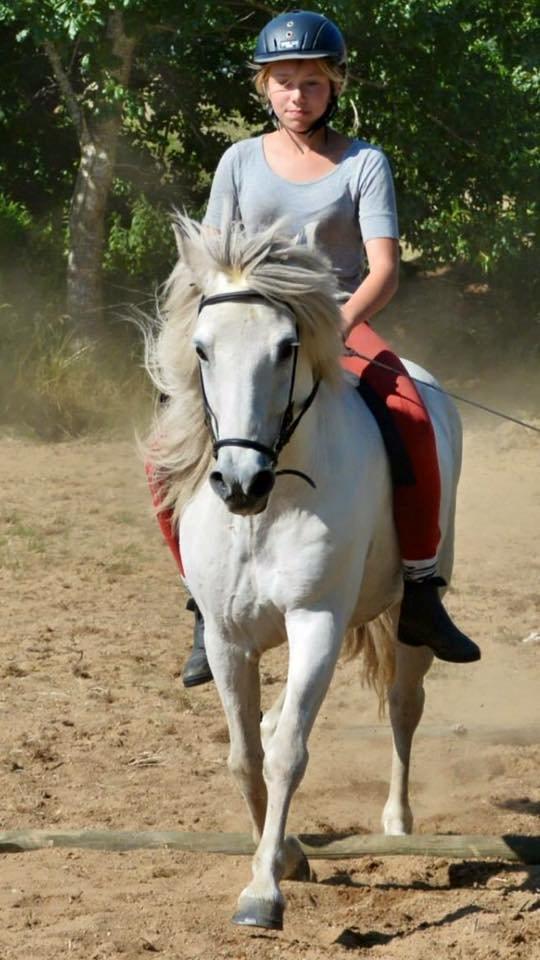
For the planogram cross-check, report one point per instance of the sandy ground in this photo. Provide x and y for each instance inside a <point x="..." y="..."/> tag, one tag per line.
<point x="97" y="731"/>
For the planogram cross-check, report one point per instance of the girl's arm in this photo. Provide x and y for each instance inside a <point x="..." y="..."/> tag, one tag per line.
<point x="223" y="200"/>
<point x="378" y="287"/>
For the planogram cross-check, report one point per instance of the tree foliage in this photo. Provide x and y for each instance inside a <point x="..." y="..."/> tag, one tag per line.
<point x="447" y="87"/>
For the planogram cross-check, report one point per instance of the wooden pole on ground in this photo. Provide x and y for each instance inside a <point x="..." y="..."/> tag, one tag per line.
<point x="523" y="849"/>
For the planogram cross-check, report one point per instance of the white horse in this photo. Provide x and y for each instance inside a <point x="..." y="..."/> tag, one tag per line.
<point x="247" y="349"/>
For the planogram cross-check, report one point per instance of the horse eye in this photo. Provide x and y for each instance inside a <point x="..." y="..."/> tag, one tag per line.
<point x="200" y="353"/>
<point x="285" y="350"/>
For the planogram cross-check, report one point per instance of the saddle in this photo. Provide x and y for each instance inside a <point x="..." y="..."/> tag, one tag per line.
<point x="401" y="469"/>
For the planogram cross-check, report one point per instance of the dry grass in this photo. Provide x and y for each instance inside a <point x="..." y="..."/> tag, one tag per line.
<point x="55" y="387"/>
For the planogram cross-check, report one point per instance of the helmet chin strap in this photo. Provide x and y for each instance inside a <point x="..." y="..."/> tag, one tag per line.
<point x="325" y="118"/>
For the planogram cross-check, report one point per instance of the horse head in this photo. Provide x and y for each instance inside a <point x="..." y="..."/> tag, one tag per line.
<point x="249" y="327"/>
<point x="253" y="372"/>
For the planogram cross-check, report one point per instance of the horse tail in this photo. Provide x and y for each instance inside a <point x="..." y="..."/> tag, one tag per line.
<point x="376" y="641"/>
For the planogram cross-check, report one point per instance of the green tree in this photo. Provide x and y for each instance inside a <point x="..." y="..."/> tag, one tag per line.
<point x="158" y="102"/>
<point x="155" y="90"/>
<point x="449" y="88"/>
<point x="91" y="82"/>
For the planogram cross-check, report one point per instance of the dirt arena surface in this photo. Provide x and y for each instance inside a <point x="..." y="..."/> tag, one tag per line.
<point x="97" y="732"/>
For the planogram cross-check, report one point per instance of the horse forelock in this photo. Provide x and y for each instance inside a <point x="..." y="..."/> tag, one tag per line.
<point x="179" y="446"/>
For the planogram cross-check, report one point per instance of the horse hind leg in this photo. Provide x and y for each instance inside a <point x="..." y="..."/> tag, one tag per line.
<point x="406" y="705"/>
<point x="406" y="696"/>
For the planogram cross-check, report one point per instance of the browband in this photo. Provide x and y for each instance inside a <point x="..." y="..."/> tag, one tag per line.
<point x="246" y="294"/>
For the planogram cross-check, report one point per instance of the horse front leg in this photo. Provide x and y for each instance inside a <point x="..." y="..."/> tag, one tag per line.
<point x="314" y="642"/>
<point x="238" y="682"/>
<point x="270" y="719"/>
<point x="406" y="702"/>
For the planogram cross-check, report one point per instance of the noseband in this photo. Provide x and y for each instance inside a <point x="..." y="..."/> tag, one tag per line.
<point x="289" y="422"/>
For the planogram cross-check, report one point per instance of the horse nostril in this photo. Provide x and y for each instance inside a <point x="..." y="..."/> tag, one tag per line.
<point x="218" y="484"/>
<point x="261" y="484"/>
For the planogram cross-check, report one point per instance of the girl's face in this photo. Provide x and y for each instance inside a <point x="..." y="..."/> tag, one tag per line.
<point x="299" y="92"/>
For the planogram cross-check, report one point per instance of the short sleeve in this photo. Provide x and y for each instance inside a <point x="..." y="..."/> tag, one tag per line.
<point x="223" y="193"/>
<point x="377" y="204"/>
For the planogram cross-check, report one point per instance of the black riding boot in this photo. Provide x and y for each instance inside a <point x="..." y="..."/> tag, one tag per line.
<point x="423" y="621"/>
<point x="196" y="669"/>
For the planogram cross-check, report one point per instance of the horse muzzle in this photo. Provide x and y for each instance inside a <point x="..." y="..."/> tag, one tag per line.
<point x="246" y="499"/>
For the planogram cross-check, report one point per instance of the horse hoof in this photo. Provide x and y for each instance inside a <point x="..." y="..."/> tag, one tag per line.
<point x="259" y="913"/>
<point x="295" y="863"/>
<point x="302" y="872"/>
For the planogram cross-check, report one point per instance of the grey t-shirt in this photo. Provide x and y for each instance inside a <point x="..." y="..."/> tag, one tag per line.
<point x="353" y="203"/>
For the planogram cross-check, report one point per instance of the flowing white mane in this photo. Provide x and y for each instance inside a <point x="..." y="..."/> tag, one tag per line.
<point x="178" y="447"/>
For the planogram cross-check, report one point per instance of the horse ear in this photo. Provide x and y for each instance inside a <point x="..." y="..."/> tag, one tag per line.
<point x="179" y="236"/>
<point x="186" y="233"/>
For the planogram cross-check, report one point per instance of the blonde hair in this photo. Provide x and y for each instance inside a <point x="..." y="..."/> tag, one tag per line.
<point x="336" y="73"/>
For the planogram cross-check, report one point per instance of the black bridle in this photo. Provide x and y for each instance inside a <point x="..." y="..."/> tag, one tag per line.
<point x="289" y="422"/>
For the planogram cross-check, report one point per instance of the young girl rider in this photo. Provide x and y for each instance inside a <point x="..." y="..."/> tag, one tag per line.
<point x="338" y="194"/>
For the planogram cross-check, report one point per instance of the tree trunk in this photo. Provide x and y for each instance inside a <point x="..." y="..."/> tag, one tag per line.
<point x="98" y="140"/>
<point x="84" y="300"/>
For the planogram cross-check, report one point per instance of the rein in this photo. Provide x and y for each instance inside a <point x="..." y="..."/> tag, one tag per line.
<point x="349" y="352"/>
<point x="289" y="422"/>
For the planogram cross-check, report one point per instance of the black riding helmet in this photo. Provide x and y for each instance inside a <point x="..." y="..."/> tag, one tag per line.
<point x="302" y="35"/>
